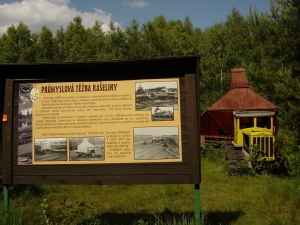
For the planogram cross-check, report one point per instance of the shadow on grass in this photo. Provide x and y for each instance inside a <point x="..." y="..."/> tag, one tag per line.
<point x="17" y="190"/>
<point x="217" y="218"/>
<point x="166" y="217"/>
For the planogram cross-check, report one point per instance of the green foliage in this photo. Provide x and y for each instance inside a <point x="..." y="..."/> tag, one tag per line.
<point x="45" y="213"/>
<point x="17" y="45"/>
<point x="208" y="150"/>
<point x="59" y="45"/>
<point x="95" y="44"/>
<point x="213" y="151"/>
<point x="11" y="216"/>
<point x="74" y="40"/>
<point x="45" y="46"/>
<point x="294" y="164"/>
<point x="115" y="42"/>
<point x="67" y="214"/>
<point x="257" y="163"/>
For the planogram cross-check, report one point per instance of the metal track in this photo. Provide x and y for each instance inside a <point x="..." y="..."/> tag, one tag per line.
<point x="235" y="159"/>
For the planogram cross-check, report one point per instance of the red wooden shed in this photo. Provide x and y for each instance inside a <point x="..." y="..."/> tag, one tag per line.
<point x="217" y="121"/>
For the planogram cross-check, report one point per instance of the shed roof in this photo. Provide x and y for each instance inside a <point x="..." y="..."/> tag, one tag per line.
<point x="240" y="96"/>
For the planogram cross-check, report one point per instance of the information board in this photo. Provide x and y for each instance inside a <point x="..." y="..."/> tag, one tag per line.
<point x="99" y="122"/>
<point x="104" y="122"/>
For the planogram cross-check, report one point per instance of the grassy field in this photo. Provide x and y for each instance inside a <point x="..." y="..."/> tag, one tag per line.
<point x="224" y="200"/>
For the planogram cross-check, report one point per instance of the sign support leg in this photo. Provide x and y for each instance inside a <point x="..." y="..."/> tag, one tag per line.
<point x="197" y="204"/>
<point x="5" y="197"/>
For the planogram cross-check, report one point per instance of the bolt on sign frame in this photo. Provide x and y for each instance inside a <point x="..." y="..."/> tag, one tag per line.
<point x="104" y="122"/>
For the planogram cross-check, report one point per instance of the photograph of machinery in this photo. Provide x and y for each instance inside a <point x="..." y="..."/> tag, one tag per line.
<point x="162" y="113"/>
<point x="87" y="148"/>
<point x="156" y="94"/>
<point x="50" y="149"/>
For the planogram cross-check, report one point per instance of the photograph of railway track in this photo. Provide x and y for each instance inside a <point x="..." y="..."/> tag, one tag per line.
<point x="162" y="113"/>
<point x="24" y="125"/>
<point x="156" y="94"/>
<point x="156" y="143"/>
<point x="50" y="149"/>
<point x="87" y="149"/>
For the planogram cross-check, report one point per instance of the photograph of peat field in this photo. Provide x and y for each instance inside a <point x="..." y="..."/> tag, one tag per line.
<point x="150" y="147"/>
<point x="147" y="104"/>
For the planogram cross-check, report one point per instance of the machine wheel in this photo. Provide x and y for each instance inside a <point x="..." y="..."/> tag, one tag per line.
<point x="235" y="159"/>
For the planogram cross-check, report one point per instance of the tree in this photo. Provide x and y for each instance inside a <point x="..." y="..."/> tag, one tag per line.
<point x="115" y="42"/>
<point x="17" y="45"/>
<point x="286" y="14"/>
<point x="134" y="40"/>
<point x="235" y="36"/>
<point x="214" y="72"/>
<point x="45" y="46"/>
<point x="95" y="44"/>
<point x="74" y="40"/>
<point x="59" y="45"/>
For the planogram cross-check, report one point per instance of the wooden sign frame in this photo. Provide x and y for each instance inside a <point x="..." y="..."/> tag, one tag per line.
<point x="187" y="171"/>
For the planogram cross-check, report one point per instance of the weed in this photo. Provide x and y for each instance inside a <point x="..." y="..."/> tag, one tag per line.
<point x="168" y="219"/>
<point x="11" y="216"/>
<point x="45" y="211"/>
<point x="67" y="214"/>
<point x="294" y="163"/>
<point x="214" y="151"/>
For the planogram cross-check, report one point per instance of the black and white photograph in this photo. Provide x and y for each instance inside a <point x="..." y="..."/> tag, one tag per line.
<point x="153" y="94"/>
<point x="50" y="149"/>
<point x="25" y="125"/>
<point x="156" y="143"/>
<point x="86" y="149"/>
<point x="162" y="113"/>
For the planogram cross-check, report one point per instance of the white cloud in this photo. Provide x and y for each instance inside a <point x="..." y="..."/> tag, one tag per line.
<point x="136" y="3"/>
<point x="50" y="13"/>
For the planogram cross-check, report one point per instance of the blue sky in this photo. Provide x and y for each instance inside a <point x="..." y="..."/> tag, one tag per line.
<point x="53" y="13"/>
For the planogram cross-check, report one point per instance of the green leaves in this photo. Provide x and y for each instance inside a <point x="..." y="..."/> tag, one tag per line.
<point x="17" y="44"/>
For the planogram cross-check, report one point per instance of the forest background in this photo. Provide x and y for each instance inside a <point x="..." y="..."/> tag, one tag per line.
<point x="267" y="44"/>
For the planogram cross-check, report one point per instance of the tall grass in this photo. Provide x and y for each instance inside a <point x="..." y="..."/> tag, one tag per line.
<point x="11" y="216"/>
<point x="263" y="199"/>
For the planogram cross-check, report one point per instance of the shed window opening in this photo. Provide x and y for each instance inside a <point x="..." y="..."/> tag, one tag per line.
<point x="246" y="143"/>
<point x="264" y="122"/>
<point x="246" y="122"/>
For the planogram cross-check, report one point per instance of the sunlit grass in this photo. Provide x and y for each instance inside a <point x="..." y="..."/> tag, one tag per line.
<point x="264" y="199"/>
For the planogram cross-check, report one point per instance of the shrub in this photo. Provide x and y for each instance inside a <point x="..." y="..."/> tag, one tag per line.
<point x="257" y="163"/>
<point x="294" y="162"/>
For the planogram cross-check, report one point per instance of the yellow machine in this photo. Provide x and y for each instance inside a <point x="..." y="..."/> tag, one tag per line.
<point x="255" y="128"/>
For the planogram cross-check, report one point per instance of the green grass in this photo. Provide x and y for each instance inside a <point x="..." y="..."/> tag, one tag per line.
<point x="225" y="199"/>
<point x="11" y="216"/>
